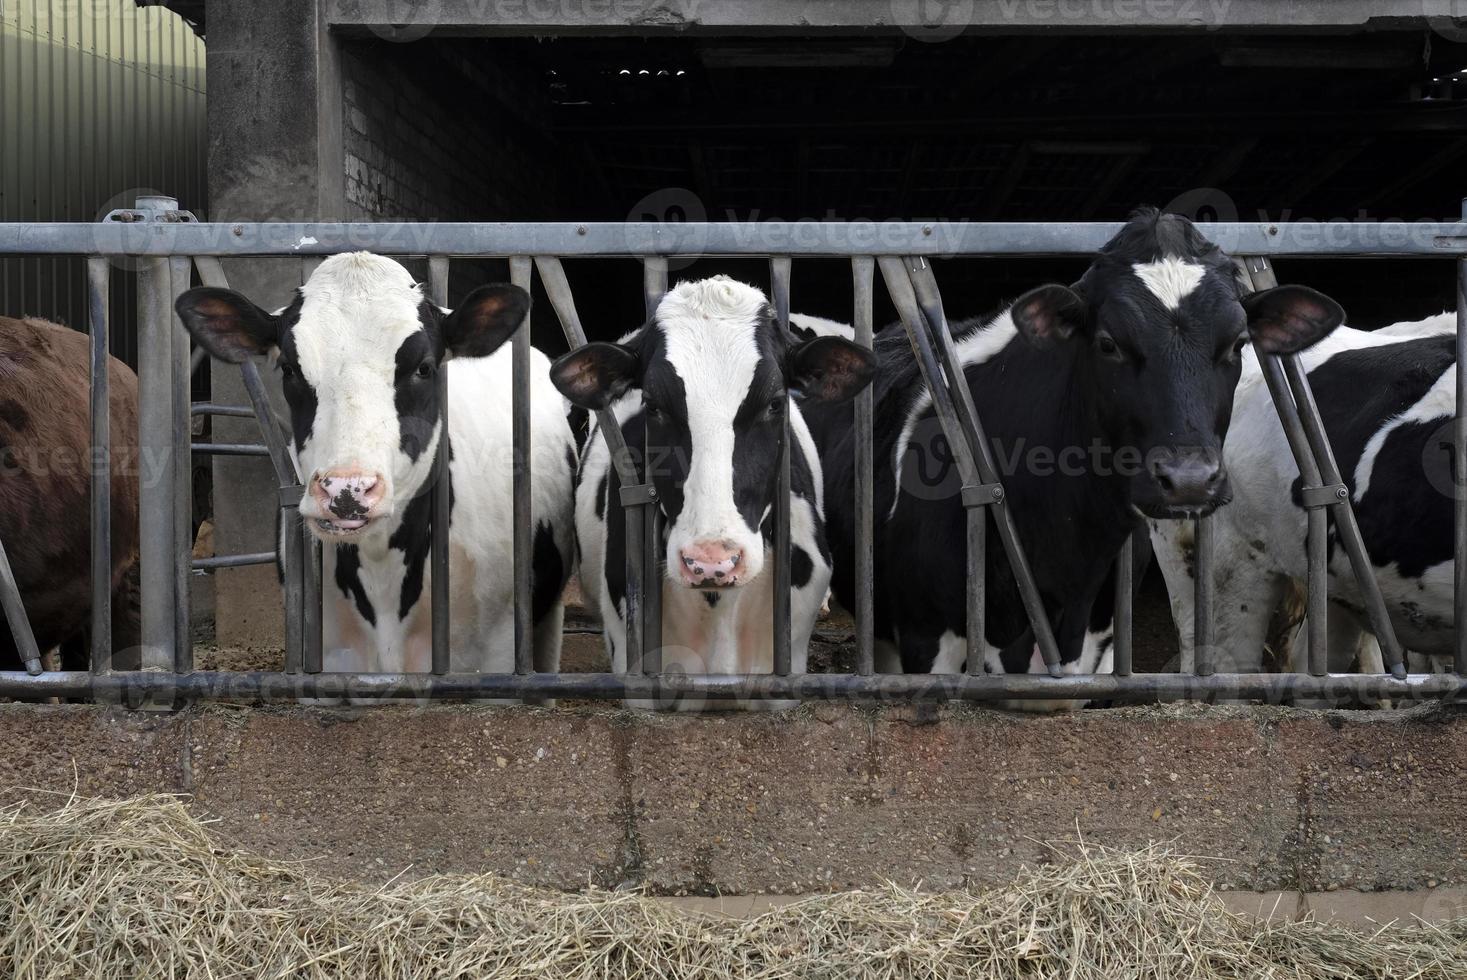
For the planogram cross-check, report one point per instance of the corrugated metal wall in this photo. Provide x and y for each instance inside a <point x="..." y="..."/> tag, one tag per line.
<point x="100" y="101"/>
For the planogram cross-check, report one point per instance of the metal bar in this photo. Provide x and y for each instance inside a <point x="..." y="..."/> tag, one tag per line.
<point x="311" y="598"/>
<point x="1347" y="528"/>
<point x="1302" y="414"/>
<point x="233" y="561"/>
<point x="654" y="287"/>
<point x="1125" y="604"/>
<point x="1459" y="471"/>
<point x="562" y="300"/>
<point x="157" y="556"/>
<point x="15" y="617"/>
<point x="296" y="542"/>
<point x="924" y="287"/>
<point x="825" y="238"/>
<point x="228" y="449"/>
<point x="521" y="272"/>
<point x="862" y="269"/>
<point x="228" y="685"/>
<point x="99" y="288"/>
<point x="779" y="279"/>
<point x="442" y="486"/>
<point x="969" y="445"/>
<point x="1203" y="633"/>
<point x="1317" y="545"/>
<point x="232" y="411"/>
<point x="180" y="275"/>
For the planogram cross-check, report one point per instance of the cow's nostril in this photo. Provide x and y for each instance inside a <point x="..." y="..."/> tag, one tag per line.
<point x="1165" y="481"/>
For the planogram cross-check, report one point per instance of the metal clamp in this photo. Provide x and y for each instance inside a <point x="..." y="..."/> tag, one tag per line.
<point x="983" y="495"/>
<point x="1327" y="496"/>
<point x="639" y="495"/>
<point x="291" y="496"/>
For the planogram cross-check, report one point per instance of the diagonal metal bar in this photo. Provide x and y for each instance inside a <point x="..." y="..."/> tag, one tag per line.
<point x="1327" y="473"/>
<point x="963" y="428"/>
<point x="562" y="300"/>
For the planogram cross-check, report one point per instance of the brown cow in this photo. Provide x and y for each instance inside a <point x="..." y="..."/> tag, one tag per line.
<point x="45" y="485"/>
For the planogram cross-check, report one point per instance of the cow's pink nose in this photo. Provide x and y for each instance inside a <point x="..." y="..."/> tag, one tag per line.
<point x="711" y="564"/>
<point x="348" y="494"/>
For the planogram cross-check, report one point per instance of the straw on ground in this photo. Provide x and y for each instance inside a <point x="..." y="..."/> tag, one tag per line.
<point x="142" y="888"/>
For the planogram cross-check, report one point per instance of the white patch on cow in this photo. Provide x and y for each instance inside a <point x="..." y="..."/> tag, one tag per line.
<point x="819" y="326"/>
<point x="1170" y="279"/>
<point x="1259" y="538"/>
<point x="356" y="311"/>
<point x="708" y="329"/>
<point x="976" y="347"/>
<point x="1438" y="404"/>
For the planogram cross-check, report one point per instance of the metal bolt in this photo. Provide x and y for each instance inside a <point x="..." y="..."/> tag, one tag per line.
<point x="1273" y="229"/>
<point x="1342" y="493"/>
<point x="926" y="229"/>
<point x="997" y="494"/>
<point x="238" y="231"/>
<point x="580" y="229"/>
<point x="651" y="493"/>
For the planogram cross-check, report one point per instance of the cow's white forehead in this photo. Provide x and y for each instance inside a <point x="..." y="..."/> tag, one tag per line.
<point x="708" y="330"/>
<point x="1170" y="279"/>
<point x="355" y="307"/>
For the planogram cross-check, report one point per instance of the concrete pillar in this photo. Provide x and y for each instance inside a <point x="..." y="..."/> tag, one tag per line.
<point x="275" y="154"/>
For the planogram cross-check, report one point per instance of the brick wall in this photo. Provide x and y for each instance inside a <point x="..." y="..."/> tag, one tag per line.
<point x="439" y="130"/>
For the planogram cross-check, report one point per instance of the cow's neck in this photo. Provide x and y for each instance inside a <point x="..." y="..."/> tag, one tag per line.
<point x="390" y="565"/>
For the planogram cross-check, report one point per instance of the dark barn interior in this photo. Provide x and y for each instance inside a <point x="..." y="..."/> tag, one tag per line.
<point x="1052" y="128"/>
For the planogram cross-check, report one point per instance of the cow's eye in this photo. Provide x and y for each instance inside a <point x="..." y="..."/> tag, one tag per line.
<point x="772" y="410"/>
<point x="1239" y="345"/>
<point x="287" y="370"/>
<point x="425" y="370"/>
<point x="1107" y="345"/>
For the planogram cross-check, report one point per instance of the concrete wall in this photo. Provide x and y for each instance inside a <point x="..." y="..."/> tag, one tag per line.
<point x="826" y="797"/>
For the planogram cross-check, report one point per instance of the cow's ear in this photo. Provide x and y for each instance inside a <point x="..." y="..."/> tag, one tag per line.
<point x="596" y="375"/>
<point x="226" y="324"/>
<point x="829" y="369"/>
<point x="1287" y="319"/>
<point x="485" y="320"/>
<point x="1049" y="314"/>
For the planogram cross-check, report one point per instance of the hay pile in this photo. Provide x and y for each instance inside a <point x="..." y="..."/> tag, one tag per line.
<point x="141" y="888"/>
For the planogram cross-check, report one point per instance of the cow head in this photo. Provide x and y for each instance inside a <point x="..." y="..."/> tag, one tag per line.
<point x="1158" y="325"/>
<point x="358" y="350"/>
<point x="716" y="374"/>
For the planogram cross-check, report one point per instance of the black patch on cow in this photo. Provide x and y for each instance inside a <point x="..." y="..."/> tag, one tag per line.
<point x="1161" y="378"/>
<point x="349" y="581"/>
<point x="712" y="599"/>
<point x="548" y="572"/>
<point x="1409" y="499"/>
<point x="414" y="538"/>
<point x="14" y="416"/>
<point x="801" y="567"/>
<point x="300" y="395"/>
<point x="601" y="497"/>
<point x="415" y="392"/>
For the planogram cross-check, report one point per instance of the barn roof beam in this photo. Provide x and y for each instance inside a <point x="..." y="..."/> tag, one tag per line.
<point x="922" y="21"/>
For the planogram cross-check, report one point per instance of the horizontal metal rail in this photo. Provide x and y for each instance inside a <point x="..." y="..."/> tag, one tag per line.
<point x="228" y="449"/>
<point x="232" y="411"/>
<point x="828" y="238"/>
<point x="226" y="685"/>
<point x="234" y="561"/>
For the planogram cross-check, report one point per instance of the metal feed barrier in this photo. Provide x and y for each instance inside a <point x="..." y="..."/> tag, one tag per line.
<point x="170" y="246"/>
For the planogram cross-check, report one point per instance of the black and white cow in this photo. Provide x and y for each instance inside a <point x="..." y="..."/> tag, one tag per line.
<point x="359" y="350"/>
<point x="1102" y="399"/>
<point x="709" y="379"/>
<point x="1387" y="399"/>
